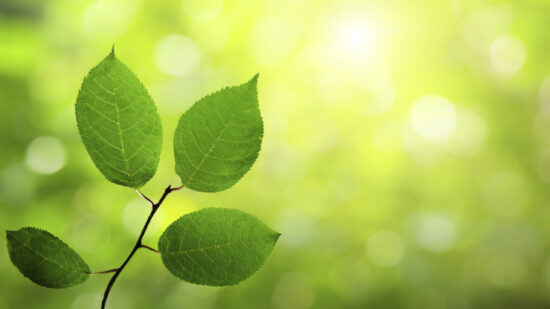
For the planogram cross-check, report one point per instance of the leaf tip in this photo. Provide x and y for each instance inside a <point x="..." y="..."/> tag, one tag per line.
<point x="252" y="84"/>
<point x="254" y="79"/>
<point x="112" y="54"/>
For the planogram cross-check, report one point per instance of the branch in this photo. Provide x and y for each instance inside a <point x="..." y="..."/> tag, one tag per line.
<point x="138" y="244"/>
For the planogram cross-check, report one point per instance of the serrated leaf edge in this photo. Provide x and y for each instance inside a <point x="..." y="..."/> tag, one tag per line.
<point x="276" y="236"/>
<point x="253" y="83"/>
<point x="10" y="233"/>
<point x="148" y="95"/>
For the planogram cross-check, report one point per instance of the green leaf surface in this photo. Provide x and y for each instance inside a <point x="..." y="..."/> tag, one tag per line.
<point x="216" y="246"/>
<point x="119" y="124"/>
<point x="218" y="139"/>
<point x="45" y="259"/>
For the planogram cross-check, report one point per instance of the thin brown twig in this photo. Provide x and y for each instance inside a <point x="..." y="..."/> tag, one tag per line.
<point x="104" y="272"/>
<point x="152" y="249"/>
<point x="146" y="198"/>
<point x="178" y="188"/>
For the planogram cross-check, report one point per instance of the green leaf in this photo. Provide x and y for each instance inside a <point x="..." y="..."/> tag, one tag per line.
<point x="218" y="139"/>
<point x="45" y="259"/>
<point x="216" y="246"/>
<point x="119" y="124"/>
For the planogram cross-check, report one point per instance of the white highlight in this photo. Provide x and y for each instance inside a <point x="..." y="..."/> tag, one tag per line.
<point x="107" y="20"/>
<point x="177" y="55"/>
<point x="45" y="155"/>
<point x="433" y="117"/>
<point x="436" y="233"/>
<point x="507" y="55"/>
<point x="385" y="248"/>
<point x="354" y="38"/>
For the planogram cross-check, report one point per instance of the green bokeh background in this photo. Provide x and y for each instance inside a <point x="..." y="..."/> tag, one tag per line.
<point x="406" y="156"/>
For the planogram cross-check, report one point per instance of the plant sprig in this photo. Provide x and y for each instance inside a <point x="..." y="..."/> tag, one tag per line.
<point x="216" y="142"/>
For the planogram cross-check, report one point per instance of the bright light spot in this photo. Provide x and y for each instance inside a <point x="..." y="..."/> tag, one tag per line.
<point x="45" y="155"/>
<point x="385" y="248"/>
<point x="177" y="55"/>
<point x="354" y="39"/>
<point x="470" y="134"/>
<point x="507" y="194"/>
<point x="544" y="95"/>
<point x="507" y="55"/>
<point x="433" y="117"/>
<point x="436" y="233"/>
<point x="202" y="10"/>
<point x="91" y="234"/>
<point x="272" y="39"/>
<point x="137" y="211"/>
<point x="107" y="20"/>
<point x="294" y="291"/>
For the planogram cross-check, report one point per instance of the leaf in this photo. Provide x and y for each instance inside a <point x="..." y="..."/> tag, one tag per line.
<point x="119" y="124"/>
<point x="216" y="246"/>
<point x="218" y="139"/>
<point x="45" y="259"/>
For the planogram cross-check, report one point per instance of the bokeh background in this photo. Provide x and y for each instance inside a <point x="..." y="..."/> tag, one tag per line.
<point x="406" y="157"/>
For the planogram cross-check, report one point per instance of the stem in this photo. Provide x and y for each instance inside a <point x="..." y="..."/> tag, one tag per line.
<point x="145" y="198"/>
<point x="138" y="243"/>
<point x="149" y="248"/>
<point x="104" y="272"/>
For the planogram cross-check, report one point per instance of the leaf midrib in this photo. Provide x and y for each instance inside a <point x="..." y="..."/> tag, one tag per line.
<point x="46" y="258"/>
<point x="226" y="124"/>
<point x="126" y="163"/>
<point x="186" y="251"/>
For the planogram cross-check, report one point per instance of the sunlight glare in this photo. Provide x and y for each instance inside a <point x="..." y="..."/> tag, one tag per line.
<point x="354" y="38"/>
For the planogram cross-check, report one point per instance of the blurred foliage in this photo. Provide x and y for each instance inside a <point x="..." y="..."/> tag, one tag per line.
<point x="406" y="158"/>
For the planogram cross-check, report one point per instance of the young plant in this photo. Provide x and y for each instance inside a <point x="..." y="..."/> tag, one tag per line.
<point x="215" y="143"/>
